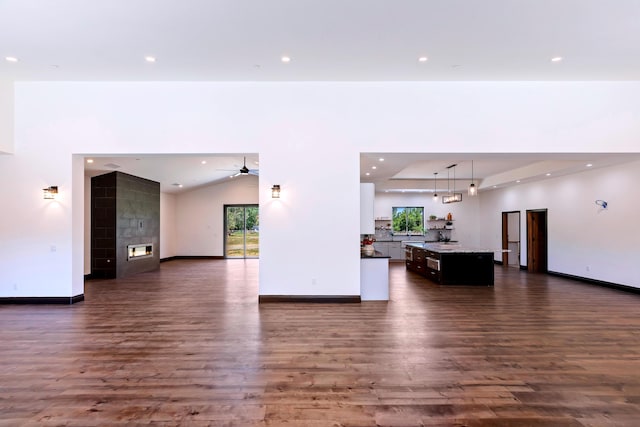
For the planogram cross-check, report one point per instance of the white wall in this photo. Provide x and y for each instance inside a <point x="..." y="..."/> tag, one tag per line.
<point x="199" y="216"/>
<point x="583" y="239"/>
<point x="308" y="135"/>
<point x="36" y="235"/>
<point x="168" y="235"/>
<point x="465" y="214"/>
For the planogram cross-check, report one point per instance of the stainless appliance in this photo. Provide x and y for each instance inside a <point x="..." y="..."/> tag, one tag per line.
<point x="433" y="263"/>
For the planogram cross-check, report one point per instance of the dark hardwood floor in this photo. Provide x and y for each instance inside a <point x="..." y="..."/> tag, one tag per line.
<point x="189" y="345"/>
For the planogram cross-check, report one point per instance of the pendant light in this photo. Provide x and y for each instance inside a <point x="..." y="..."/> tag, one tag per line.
<point x="473" y="191"/>
<point x="454" y="179"/>
<point x="452" y="197"/>
<point x="435" y="187"/>
<point x="448" y="189"/>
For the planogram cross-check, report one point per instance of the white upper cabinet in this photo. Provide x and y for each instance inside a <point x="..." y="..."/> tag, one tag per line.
<point x="367" y="194"/>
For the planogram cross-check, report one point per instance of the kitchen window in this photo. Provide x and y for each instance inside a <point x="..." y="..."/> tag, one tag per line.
<point x="408" y="220"/>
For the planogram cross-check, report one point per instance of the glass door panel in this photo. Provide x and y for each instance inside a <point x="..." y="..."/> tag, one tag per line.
<point x="242" y="231"/>
<point x="252" y="232"/>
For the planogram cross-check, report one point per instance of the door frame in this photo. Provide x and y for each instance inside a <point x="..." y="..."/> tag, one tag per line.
<point x="537" y="241"/>
<point x="505" y="236"/>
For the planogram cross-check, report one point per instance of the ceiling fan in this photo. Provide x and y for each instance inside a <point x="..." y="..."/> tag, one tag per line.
<point x="244" y="170"/>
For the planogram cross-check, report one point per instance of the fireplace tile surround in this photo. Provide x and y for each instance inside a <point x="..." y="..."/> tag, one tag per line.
<point x="125" y="213"/>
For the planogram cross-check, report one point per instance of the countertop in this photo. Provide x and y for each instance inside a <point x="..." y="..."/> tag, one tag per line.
<point x="406" y="241"/>
<point x="448" y="248"/>
<point x="376" y="254"/>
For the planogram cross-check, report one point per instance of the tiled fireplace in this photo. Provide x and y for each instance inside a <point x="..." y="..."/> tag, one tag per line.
<point x="125" y="225"/>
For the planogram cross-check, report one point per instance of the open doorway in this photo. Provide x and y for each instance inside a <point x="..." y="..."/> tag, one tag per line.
<point x="193" y="192"/>
<point x="242" y="231"/>
<point x="537" y="241"/>
<point x="511" y="239"/>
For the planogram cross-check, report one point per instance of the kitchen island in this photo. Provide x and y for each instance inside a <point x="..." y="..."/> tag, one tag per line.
<point x="450" y="263"/>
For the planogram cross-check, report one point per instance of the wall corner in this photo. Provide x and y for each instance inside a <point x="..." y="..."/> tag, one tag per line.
<point x="7" y="115"/>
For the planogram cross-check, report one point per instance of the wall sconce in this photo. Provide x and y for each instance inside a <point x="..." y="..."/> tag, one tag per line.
<point x="275" y="191"/>
<point x="51" y="192"/>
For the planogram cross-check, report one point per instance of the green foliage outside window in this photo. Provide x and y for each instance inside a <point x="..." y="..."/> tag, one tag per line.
<point x="407" y="219"/>
<point x="239" y="218"/>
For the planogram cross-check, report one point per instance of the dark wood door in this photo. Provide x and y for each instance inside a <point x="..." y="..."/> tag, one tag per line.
<point x="537" y="241"/>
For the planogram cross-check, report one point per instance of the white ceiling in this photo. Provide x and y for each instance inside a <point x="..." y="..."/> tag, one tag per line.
<point x="327" y="40"/>
<point x="415" y="172"/>
<point x="399" y="172"/>
<point x="177" y="173"/>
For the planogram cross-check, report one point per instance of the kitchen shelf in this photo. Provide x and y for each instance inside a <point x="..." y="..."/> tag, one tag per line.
<point x="436" y="227"/>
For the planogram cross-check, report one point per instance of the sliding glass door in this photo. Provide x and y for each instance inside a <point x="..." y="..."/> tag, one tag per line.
<point x="242" y="231"/>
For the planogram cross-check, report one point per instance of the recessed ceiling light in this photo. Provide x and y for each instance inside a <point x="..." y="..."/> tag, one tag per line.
<point x="11" y="58"/>
<point x="89" y="160"/>
<point x="495" y="186"/>
<point x="374" y="167"/>
<point x="518" y="181"/>
<point x="381" y="159"/>
<point x="367" y="174"/>
<point x="589" y="165"/>
<point x="204" y="162"/>
<point x="285" y="59"/>
<point x="556" y="59"/>
<point x="423" y="59"/>
<point x="548" y="174"/>
<point x="150" y="58"/>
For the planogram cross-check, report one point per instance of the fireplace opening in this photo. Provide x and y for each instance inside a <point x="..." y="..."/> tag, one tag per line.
<point x="144" y="250"/>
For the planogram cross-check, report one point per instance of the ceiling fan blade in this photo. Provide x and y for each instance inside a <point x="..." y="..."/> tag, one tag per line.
<point x="244" y="170"/>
